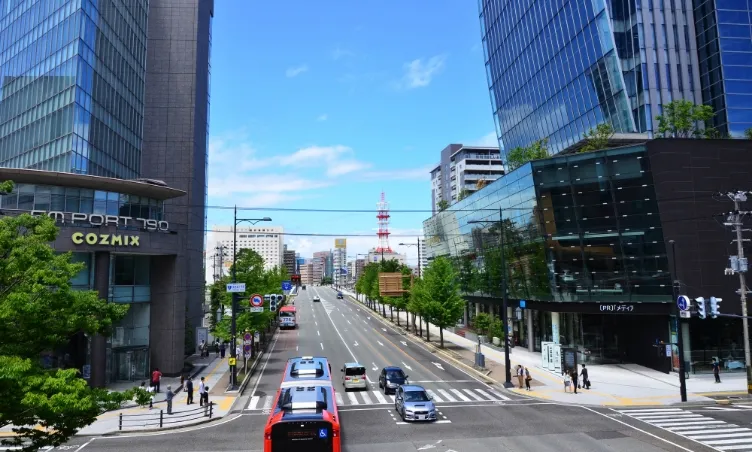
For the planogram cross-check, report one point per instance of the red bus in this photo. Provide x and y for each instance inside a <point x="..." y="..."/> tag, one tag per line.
<point x="304" y="416"/>
<point x="287" y="317"/>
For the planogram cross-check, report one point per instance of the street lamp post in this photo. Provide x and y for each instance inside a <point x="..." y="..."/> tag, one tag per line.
<point x="504" y="315"/>
<point x="233" y="323"/>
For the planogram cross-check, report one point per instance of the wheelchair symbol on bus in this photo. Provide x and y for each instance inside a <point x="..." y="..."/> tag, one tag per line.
<point x="323" y="433"/>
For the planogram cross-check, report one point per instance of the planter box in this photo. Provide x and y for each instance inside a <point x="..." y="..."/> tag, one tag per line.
<point x="496" y="341"/>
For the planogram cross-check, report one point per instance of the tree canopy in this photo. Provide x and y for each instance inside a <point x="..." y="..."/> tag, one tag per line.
<point x="598" y="137"/>
<point x="39" y="312"/>
<point x="439" y="295"/>
<point x="523" y="154"/>
<point x="682" y="119"/>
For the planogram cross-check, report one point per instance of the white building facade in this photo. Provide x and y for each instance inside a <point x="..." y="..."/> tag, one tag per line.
<point x="267" y="241"/>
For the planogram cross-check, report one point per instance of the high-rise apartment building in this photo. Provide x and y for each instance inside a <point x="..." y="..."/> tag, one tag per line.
<point x="104" y="109"/>
<point x="323" y="265"/>
<point x="339" y="262"/>
<point x="267" y="241"/>
<point x="556" y="70"/>
<point x="463" y="170"/>
<point x="307" y="274"/>
<point x="289" y="261"/>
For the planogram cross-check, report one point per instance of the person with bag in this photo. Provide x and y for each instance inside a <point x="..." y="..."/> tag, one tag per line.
<point x="585" y="379"/>
<point x="528" y="378"/>
<point x="567" y="381"/>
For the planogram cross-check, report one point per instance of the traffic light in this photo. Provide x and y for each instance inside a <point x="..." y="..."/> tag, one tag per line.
<point x="273" y="302"/>
<point x="701" y="309"/>
<point x="714" y="302"/>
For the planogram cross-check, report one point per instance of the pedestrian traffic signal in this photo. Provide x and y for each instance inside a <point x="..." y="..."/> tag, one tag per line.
<point x="701" y="307"/>
<point x="714" y="302"/>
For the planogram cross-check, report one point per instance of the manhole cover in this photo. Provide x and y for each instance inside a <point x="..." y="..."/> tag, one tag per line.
<point x="608" y="434"/>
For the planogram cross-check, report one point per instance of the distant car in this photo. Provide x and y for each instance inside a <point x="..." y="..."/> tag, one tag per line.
<point x="316" y="299"/>
<point x="339" y="295"/>
<point x="354" y="376"/>
<point x="413" y="403"/>
<point x="391" y="378"/>
<point x="303" y="287"/>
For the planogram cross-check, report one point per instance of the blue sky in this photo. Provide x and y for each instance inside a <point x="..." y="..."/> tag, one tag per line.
<point x="325" y="104"/>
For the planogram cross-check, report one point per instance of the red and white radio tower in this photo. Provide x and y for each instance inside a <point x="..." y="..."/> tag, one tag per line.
<point x="383" y="217"/>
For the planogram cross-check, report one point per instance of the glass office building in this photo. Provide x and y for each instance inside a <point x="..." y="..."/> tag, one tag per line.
<point x="72" y="85"/>
<point x="556" y="70"/>
<point x="725" y="52"/>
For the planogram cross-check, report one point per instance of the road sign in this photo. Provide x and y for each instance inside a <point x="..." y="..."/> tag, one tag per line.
<point x="247" y="355"/>
<point x="257" y="309"/>
<point x="256" y="337"/>
<point x="683" y="302"/>
<point x="685" y="314"/>
<point x="236" y="287"/>
<point x="232" y="361"/>
<point x="257" y="301"/>
<point x="286" y="285"/>
<point x="522" y="304"/>
<point x="247" y="337"/>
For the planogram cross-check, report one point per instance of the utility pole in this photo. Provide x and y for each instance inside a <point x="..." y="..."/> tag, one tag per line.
<point x="679" y="327"/>
<point x="735" y="218"/>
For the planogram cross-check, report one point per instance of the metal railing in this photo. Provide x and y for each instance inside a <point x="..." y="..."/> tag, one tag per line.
<point x="161" y="419"/>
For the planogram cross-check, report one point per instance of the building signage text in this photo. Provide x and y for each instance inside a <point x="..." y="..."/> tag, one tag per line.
<point x="95" y="219"/>
<point x="617" y="308"/>
<point x="105" y="239"/>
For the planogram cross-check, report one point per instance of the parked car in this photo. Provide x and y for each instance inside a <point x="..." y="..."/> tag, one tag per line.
<point x="413" y="403"/>
<point x="354" y="376"/>
<point x="391" y="378"/>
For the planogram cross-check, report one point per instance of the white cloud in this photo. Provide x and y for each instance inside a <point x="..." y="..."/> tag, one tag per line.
<point x="489" y="140"/>
<point x="296" y="71"/>
<point x="420" y="73"/>
<point x="338" y="160"/>
<point x="339" y="53"/>
<point x="423" y="172"/>
<point x="322" y="117"/>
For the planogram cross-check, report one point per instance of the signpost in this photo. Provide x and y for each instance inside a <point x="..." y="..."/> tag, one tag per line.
<point x="286" y="285"/>
<point x="257" y="301"/>
<point x="257" y="309"/>
<point x="236" y="287"/>
<point x="682" y="302"/>
<point x="232" y="361"/>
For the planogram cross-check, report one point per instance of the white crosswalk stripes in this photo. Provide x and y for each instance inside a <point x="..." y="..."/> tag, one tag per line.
<point x="376" y="397"/>
<point x="706" y="430"/>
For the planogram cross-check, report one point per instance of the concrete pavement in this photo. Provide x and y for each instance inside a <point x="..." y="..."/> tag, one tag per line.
<point x="612" y="385"/>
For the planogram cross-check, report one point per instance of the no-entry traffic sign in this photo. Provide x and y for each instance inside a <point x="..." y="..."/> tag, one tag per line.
<point x="257" y="300"/>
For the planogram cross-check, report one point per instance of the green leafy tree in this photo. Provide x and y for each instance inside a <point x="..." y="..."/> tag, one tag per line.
<point x="326" y="281"/>
<point x="464" y="193"/>
<point x="443" y="304"/>
<point x="496" y="329"/>
<point x="482" y="323"/>
<point x="523" y="154"/>
<point x="417" y="303"/>
<point x="442" y="205"/>
<point x="39" y="313"/>
<point x="598" y="137"/>
<point x="748" y="134"/>
<point x="682" y="119"/>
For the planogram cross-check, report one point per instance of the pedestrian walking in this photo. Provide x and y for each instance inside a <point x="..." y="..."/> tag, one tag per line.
<point x="222" y="350"/>
<point x="528" y="378"/>
<point x="156" y="378"/>
<point x="585" y="378"/>
<point x="189" y="390"/>
<point x="201" y="347"/>
<point x="567" y="381"/>
<point x="168" y="398"/>
<point x="717" y="370"/>
<point x="216" y="348"/>
<point x="201" y="389"/>
<point x="520" y="374"/>
<point x="206" y="395"/>
<point x="574" y="380"/>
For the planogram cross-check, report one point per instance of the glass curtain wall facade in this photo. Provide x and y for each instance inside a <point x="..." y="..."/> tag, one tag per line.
<point x="576" y="228"/>
<point x="724" y="42"/>
<point x="72" y="85"/>
<point x="556" y="70"/>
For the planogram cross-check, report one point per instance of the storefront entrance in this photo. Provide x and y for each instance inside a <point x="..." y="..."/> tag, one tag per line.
<point x="130" y="364"/>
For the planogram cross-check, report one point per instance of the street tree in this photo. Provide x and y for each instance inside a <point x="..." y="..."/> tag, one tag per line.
<point x="441" y="295"/>
<point x="417" y="303"/>
<point x="523" y="154"/>
<point x="40" y="312"/>
<point x="482" y="323"/>
<point x="598" y="137"/>
<point x="748" y="134"/>
<point x="682" y="119"/>
<point x="442" y="205"/>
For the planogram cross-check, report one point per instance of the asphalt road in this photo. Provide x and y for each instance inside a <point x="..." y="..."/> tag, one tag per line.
<point x="474" y="416"/>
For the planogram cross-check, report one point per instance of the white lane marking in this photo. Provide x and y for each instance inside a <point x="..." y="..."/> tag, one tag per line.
<point x="338" y="396"/>
<point x="404" y="343"/>
<point x="725" y="435"/>
<point x="406" y="366"/>
<point x="473" y="395"/>
<point x="353" y="399"/>
<point x="434" y="396"/>
<point x="660" y="410"/>
<point x="438" y="365"/>
<point x="379" y="396"/>
<point x="258" y="380"/>
<point x="391" y="396"/>
<point x="355" y="344"/>
<point x="459" y="394"/>
<point x="254" y="401"/>
<point x="485" y="394"/>
<point x="296" y="348"/>
<point x="322" y="345"/>
<point x="341" y="338"/>
<point x="443" y="421"/>
<point x="375" y="367"/>
<point x="384" y="329"/>
<point x="366" y="399"/>
<point x="369" y="317"/>
<point x="446" y="395"/>
<point x="268" y="403"/>
<point x="318" y="332"/>
<point x="717" y="429"/>
<point x="499" y="395"/>
<point x="349" y="322"/>
<point x="380" y="343"/>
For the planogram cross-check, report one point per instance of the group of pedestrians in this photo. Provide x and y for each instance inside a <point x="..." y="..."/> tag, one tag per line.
<point x="572" y="380"/>
<point x="523" y="373"/>
<point x="203" y="392"/>
<point x="220" y="348"/>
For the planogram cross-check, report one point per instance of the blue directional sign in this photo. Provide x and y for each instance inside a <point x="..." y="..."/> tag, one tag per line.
<point x="522" y="304"/>
<point x="286" y="285"/>
<point x="682" y="302"/>
<point x="323" y="433"/>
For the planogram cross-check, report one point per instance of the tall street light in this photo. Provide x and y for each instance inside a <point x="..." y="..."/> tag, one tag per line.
<point x="233" y="324"/>
<point x="504" y="317"/>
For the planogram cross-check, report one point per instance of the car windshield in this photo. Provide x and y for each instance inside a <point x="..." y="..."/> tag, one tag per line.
<point x="395" y="375"/>
<point x="416" y="396"/>
<point x="355" y="371"/>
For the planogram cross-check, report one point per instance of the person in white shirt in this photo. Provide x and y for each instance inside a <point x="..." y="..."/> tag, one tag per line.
<point x="201" y="392"/>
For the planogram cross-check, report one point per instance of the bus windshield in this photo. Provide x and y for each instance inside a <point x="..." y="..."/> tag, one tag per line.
<point x="287" y="314"/>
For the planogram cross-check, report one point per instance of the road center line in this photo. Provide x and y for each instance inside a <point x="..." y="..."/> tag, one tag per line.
<point x="266" y="361"/>
<point x="322" y="345"/>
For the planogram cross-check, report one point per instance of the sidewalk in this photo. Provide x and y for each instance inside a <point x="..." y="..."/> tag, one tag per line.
<point x="612" y="385"/>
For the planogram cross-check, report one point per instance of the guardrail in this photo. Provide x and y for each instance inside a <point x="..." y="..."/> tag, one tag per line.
<point x="154" y="419"/>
